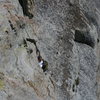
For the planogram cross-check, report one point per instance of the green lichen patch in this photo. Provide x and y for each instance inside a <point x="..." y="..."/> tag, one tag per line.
<point x="2" y="84"/>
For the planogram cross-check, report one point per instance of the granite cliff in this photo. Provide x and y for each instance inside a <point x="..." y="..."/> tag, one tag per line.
<point x="67" y="36"/>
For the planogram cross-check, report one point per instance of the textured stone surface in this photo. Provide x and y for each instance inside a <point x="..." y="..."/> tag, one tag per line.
<point x="73" y="65"/>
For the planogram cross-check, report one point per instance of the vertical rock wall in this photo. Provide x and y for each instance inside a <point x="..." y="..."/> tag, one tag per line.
<point x="67" y="35"/>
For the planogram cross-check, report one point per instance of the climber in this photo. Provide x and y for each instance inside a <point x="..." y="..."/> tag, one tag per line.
<point x="42" y="63"/>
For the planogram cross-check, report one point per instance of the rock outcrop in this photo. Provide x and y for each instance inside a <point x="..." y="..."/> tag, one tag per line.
<point x="67" y="36"/>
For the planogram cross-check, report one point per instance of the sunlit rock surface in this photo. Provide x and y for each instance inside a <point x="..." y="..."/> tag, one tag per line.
<point x="66" y="34"/>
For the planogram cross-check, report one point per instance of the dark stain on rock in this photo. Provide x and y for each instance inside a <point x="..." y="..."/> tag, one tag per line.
<point x="12" y="27"/>
<point x="29" y="51"/>
<point x="77" y="81"/>
<point x="98" y="40"/>
<point x="25" y="43"/>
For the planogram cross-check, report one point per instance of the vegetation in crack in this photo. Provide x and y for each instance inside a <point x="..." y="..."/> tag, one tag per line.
<point x="25" y="8"/>
<point x="84" y="37"/>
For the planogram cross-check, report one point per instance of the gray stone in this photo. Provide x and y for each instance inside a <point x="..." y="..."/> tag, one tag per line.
<point x="74" y="69"/>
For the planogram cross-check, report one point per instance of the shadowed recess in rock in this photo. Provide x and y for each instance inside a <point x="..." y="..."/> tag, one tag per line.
<point x="24" y="5"/>
<point x="84" y="37"/>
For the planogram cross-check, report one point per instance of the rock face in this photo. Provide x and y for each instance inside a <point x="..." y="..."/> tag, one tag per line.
<point x="67" y="36"/>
